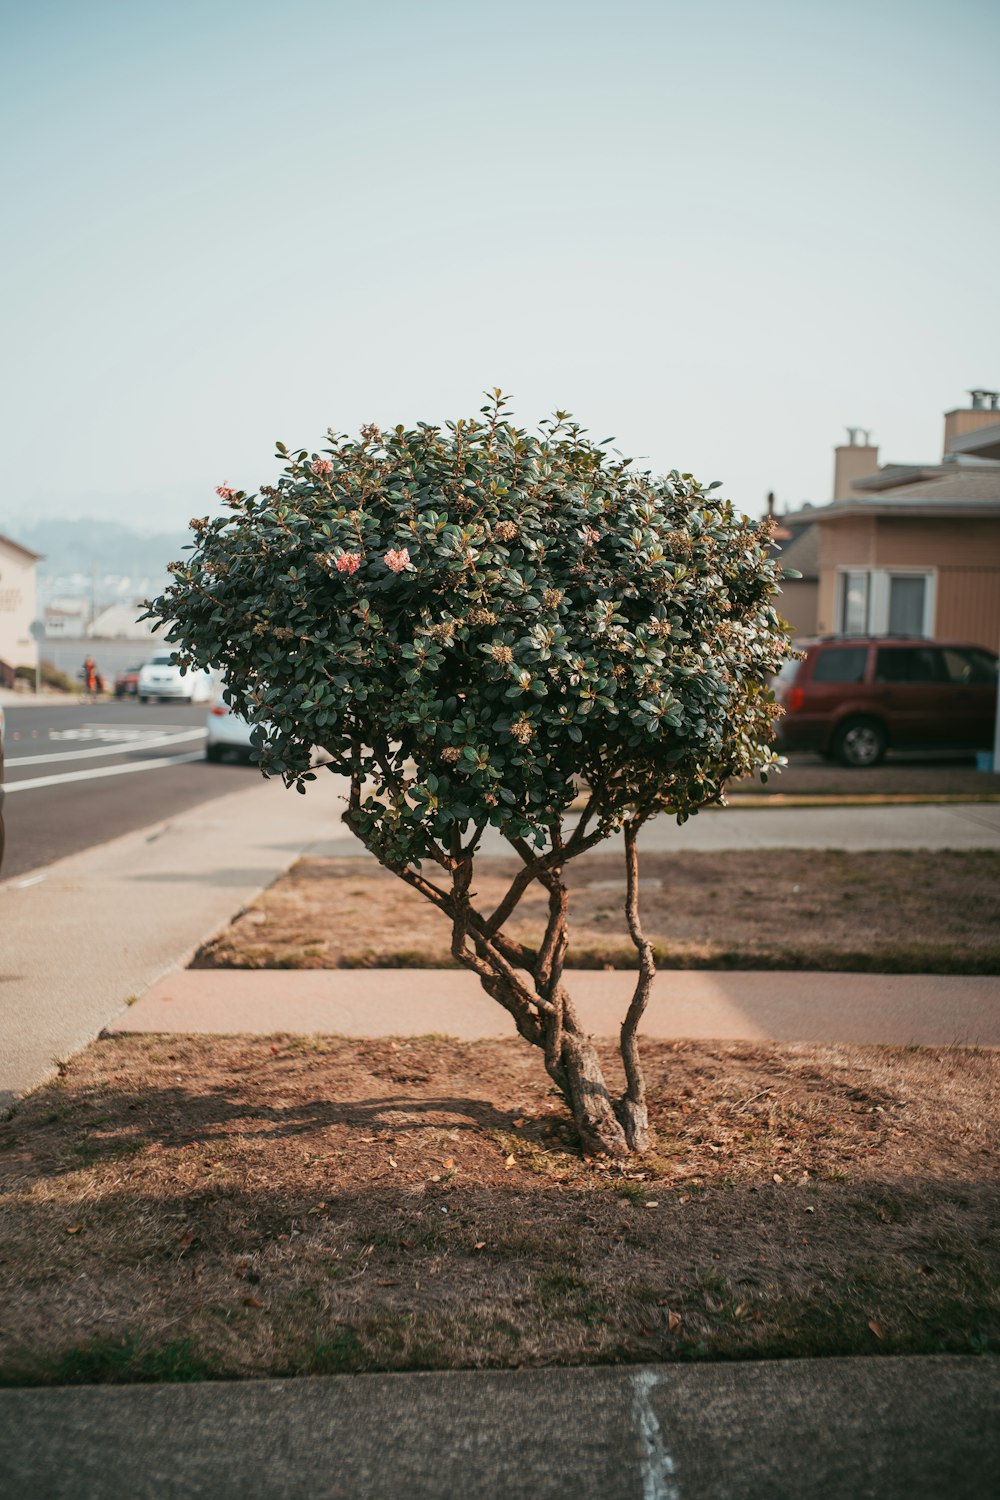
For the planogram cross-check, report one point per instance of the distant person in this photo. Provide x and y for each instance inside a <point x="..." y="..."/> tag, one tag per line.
<point x="92" y="683"/>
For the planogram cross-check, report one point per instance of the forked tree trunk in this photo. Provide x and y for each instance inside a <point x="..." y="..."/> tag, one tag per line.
<point x="546" y="1016"/>
<point x="528" y="983"/>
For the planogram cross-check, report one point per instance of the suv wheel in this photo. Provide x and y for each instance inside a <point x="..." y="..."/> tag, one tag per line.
<point x="860" y="742"/>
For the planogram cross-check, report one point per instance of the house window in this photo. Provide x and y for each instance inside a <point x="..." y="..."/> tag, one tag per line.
<point x="880" y="601"/>
<point x="907" y="601"/>
<point x="854" y="603"/>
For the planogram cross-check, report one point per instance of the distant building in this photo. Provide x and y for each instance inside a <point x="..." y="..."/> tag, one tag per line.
<point x="64" y="621"/>
<point x="909" y="549"/>
<point x="18" y="592"/>
<point x="120" y="622"/>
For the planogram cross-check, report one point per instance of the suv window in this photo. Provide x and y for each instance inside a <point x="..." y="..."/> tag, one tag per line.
<point x="908" y="664"/>
<point x="840" y="664"/>
<point x="970" y="668"/>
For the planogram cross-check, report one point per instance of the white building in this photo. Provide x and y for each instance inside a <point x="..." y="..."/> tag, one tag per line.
<point x="17" y="606"/>
<point x="65" y="621"/>
<point x="120" y="622"/>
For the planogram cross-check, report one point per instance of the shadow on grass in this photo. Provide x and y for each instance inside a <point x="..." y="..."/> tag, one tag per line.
<point x="173" y="1210"/>
<point x="229" y="1283"/>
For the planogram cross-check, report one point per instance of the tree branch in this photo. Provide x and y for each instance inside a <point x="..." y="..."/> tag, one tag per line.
<point x="632" y="1111"/>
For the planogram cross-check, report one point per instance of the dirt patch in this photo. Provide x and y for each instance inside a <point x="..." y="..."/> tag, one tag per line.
<point x="177" y="1208"/>
<point x="897" y="912"/>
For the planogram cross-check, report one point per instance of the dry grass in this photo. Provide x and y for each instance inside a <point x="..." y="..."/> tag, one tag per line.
<point x="177" y="1208"/>
<point x="894" y="912"/>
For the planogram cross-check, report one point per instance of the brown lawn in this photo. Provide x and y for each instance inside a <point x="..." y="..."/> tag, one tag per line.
<point x="896" y="912"/>
<point x="178" y="1208"/>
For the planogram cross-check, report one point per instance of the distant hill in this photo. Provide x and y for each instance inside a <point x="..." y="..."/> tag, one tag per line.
<point x="103" y="556"/>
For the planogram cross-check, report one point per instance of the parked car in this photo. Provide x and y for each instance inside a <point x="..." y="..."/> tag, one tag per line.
<point x="161" y="677"/>
<point x="127" y="682"/>
<point x="226" y="732"/>
<point x="854" y="697"/>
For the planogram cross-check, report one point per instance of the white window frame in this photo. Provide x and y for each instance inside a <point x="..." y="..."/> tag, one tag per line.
<point x="878" y="597"/>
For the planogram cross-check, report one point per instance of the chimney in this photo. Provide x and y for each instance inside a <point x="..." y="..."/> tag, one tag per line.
<point x="855" y="459"/>
<point x="779" y="532"/>
<point x="984" y="412"/>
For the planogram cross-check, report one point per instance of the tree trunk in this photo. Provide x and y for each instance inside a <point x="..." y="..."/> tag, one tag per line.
<point x="527" y="982"/>
<point x="581" y="1081"/>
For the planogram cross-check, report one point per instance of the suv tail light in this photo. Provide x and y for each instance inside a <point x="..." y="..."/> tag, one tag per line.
<point x="795" y="700"/>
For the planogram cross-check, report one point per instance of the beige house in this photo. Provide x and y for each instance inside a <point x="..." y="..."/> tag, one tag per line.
<point x="796" y="543"/>
<point x="17" y="608"/>
<point x="907" y="549"/>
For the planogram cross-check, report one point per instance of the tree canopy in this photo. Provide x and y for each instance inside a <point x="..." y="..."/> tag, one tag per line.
<point x="506" y="613"/>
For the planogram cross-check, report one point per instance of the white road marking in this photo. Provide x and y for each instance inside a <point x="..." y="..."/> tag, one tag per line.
<point x="134" y="742"/>
<point x="137" y="765"/>
<point x="655" y="1464"/>
<point x="108" y="731"/>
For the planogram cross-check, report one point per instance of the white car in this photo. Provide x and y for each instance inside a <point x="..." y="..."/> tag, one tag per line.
<point x="225" y="731"/>
<point x="226" y="734"/>
<point x="161" y="677"/>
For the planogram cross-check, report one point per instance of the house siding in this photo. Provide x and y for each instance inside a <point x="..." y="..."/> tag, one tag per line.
<point x="797" y="603"/>
<point x="848" y="541"/>
<point x="911" y="543"/>
<point x="963" y="552"/>
<point x="968" y="605"/>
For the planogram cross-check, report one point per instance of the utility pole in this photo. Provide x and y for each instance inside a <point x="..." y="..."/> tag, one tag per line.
<point x="37" y="629"/>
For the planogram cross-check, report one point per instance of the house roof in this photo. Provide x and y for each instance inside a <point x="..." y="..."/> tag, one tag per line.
<point x="6" y="541"/>
<point x="890" y="476"/>
<point x="906" y="476"/>
<point x="984" y="442"/>
<point x="802" y="552"/>
<point x="952" y="489"/>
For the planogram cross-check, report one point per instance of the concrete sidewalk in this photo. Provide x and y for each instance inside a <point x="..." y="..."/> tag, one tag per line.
<point x="895" y="1009"/>
<point x="970" y="825"/>
<point x="80" y="937"/>
<point x="836" y="1429"/>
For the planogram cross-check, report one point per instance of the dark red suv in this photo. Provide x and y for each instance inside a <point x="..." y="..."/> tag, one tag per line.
<point x="854" y="697"/>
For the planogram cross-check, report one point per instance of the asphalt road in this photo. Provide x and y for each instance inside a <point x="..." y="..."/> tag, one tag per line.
<point x="80" y="774"/>
<point x="812" y="1429"/>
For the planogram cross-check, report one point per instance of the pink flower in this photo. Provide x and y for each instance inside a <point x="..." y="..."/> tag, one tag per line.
<point x="321" y="467"/>
<point x="225" y="493"/>
<point x="399" y="560"/>
<point x="348" y="562"/>
<point x="591" y="534"/>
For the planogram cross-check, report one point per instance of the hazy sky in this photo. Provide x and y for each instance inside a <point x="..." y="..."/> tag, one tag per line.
<point x="719" y="231"/>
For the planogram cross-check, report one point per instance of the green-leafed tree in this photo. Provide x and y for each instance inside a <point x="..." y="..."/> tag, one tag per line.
<point x="486" y="629"/>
